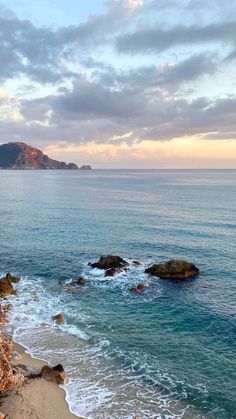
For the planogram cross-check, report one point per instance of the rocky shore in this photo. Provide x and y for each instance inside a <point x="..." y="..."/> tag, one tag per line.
<point x="28" y="388"/>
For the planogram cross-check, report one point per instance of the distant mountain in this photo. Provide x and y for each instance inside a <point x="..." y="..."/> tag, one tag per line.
<point x="22" y="156"/>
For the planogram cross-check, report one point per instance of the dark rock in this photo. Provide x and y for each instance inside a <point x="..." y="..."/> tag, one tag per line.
<point x="139" y="288"/>
<point x="112" y="272"/>
<point x="109" y="262"/>
<point x="72" y="166"/>
<point x="133" y="289"/>
<point x="58" y="368"/>
<point x="58" y="318"/>
<point x="174" y="269"/>
<point x="81" y="281"/>
<point x="136" y="263"/>
<point x="86" y="167"/>
<point x="56" y="374"/>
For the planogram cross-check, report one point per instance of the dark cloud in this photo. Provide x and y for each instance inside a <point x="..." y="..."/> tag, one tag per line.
<point x="168" y="76"/>
<point x="112" y="95"/>
<point x="91" y="112"/>
<point x="156" y="40"/>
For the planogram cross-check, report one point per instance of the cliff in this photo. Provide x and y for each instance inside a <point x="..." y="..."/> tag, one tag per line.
<point x="22" y="156"/>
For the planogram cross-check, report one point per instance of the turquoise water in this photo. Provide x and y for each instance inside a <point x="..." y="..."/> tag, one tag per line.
<point x="169" y="352"/>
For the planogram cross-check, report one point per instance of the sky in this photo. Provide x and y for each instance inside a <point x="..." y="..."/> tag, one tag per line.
<point x="121" y="83"/>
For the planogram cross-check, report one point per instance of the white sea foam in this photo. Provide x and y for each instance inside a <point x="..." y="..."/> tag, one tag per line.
<point x="101" y="385"/>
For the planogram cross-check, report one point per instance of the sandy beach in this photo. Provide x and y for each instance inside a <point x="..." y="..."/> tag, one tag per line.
<point x="37" y="398"/>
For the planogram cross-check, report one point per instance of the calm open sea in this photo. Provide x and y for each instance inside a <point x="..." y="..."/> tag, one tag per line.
<point x="167" y="353"/>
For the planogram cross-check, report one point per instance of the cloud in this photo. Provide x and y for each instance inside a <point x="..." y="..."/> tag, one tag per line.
<point x="38" y="51"/>
<point x="149" y="40"/>
<point x="168" y="76"/>
<point x="91" y="112"/>
<point x="101" y="97"/>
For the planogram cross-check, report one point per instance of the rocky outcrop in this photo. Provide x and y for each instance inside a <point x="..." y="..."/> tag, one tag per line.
<point x="58" y="319"/>
<point x="9" y="377"/>
<point x="110" y="262"/>
<point x="13" y="278"/>
<point x="56" y="374"/>
<point x="174" y="269"/>
<point x="6" y="287"/>
<point x="22" y="156"/>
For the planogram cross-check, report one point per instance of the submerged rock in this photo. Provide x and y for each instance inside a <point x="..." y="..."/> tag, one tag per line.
<point x="56" y="374"/>
<point x="139" y="288"/>
<point x="35" y="297"/>
<point x="80" y="281"/>
<point x="112" y="272"/>
<point x="58" y="318"/>
<point x="174" y="269"/>
<point x="109" y="262"/>
<point x="136" y="263"/>
<point x="61" y="282"/>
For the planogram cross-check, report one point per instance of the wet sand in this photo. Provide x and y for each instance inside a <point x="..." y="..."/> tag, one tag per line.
<point x="37" y="398"/>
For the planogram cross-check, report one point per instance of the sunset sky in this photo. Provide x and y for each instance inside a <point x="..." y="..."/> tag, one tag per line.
<point x="121" y="83"/>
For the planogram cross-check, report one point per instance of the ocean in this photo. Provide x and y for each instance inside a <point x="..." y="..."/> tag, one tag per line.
<point x="168" y="352"/>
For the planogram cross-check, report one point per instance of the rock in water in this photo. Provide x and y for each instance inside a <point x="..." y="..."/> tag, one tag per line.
<point x="136" y="263"/>
<point x="112" y="272"/>
<point x="81" y="281"/>
<point x="59" y="319"/>
<point x="110" y="262"/>
<point x="139" y="288"/>
<point x="174" y="269"/>
<point x="56" y="374"/>
<point x="86" y="167"/>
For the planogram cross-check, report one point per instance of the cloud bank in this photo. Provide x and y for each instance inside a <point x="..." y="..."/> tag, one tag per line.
<point x="139" y="71"/>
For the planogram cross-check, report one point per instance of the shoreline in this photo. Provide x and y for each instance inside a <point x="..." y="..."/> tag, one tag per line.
<point x="36" y="398"/>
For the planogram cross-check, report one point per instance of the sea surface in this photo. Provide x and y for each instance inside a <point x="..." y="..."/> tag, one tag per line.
<point x="169" y="352"/>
